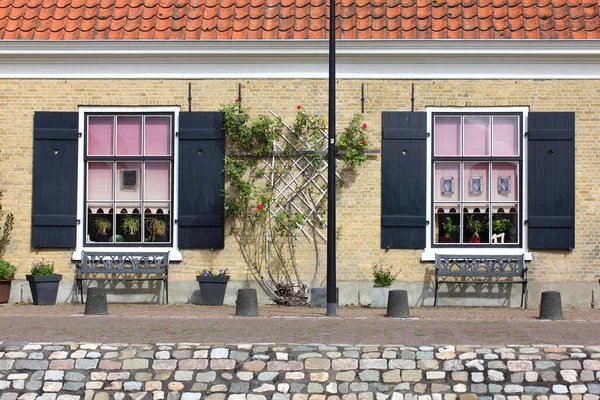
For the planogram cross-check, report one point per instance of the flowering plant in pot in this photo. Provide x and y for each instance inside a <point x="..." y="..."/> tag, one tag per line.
<point x="7" y="274"/>
<point x="383" y="278"/>
<point x="43" y="282"/>
<point x="212" y="286"/>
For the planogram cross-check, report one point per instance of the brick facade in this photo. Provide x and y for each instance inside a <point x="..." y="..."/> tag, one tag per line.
<point x="359" y="202"/>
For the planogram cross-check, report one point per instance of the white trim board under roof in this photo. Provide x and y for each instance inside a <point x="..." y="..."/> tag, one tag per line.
<point x="288" y="59"/>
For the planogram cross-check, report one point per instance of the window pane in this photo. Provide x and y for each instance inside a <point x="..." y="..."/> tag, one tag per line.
<point x="476" y="223"/>
<point x="506" y="135"/>
<point x="156" y="182"/>
<point x="447" y="223"/>
<point x="477" y="136"/>
<point x="476" y="187"/>
<point x="128" y="181"/>
<point x="99" y="224"/>
<point x="505" y="181"/>
<point x="447" y="181"/>
<point x="129" y="136"/>
<point x="100" y="136"/>
<point x="129" y="224"/>
<point x="157" y="224"/>
<point x="505" y="223"/>
<point x="100" y="181"/>
<point x="447" y="136"/>
<point x="158" y="136"/>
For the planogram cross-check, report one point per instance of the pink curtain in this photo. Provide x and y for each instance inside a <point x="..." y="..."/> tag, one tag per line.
<point x="158" y="136"/>
<point x="129" y="136"/>
<point x="447" y="136"/>
<point x="100" y="136"/>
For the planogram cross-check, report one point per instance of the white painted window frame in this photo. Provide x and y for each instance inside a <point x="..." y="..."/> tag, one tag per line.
<point x="174" y="253"/>
<point x="429" y="253"/>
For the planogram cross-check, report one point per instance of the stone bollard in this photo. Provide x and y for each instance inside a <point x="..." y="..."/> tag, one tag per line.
<point x="95" y="303"/>
<point x="551" y="306"/>
<point x="397" y="306"/>
<point x="318" y="297"/>
<point x="246" y="304"/>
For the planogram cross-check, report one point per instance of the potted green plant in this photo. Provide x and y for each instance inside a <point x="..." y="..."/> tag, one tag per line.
<point x="157" y="228"/>
<point x="102" y="226"/>
<point x="383" y="278"/>
<point x="212" y="286"/>
<point x="43" y="282"/>
<point x="475" y="225"/>
<point x="7" y="274"/>
<point x="449" y="229"/>
<point x="131" y="224"/>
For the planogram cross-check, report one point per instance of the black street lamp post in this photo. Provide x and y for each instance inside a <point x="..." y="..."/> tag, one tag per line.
<point x="331" y="223"/>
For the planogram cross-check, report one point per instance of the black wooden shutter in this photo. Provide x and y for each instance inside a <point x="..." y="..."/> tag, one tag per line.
<point x="54" y="209"/>
<point x="403" y="186"/>
<point x="551" y="177"/>
<point x="201" y="180"/>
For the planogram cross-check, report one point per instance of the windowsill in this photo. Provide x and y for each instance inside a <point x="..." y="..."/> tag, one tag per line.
<point x="174" y="254"/>
<point x="429" y="254"/>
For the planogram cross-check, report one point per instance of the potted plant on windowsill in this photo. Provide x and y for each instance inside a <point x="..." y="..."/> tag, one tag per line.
<point x="475" y="226"/>
<point x="157" y="229"/>
<point x="213" y="286"/>
<point x="131" y="227"/>
<point x="7" y="274"/>
<point x="103" y="226"/>
<point x="449" y="229"/>
<point x="43" y="283"/>
<point x="383" y="278"/>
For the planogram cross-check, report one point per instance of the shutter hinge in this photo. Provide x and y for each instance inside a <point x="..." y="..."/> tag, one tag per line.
<point x="427" y="222"/>
<point x="177" y="133"/>
<point x="526" y="134"/>
<point x="526" y="222"/>
<point x="428" y="134"/>
<point x="176" y="221"/>
<point x="79" y="134"/>
<point x="78" y="222"/>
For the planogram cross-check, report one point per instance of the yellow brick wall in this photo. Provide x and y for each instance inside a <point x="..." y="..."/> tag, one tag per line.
<point x="358" y="203"/>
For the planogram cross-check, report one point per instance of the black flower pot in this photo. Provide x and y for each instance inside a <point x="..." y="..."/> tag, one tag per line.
<point x="44" y="288"/>
<point x="212" y="289"/>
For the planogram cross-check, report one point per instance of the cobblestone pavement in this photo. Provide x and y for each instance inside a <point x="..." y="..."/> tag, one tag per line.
<point x="147" y="323"/>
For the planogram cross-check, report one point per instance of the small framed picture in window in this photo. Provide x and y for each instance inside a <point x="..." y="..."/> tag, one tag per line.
<point x="476" y="185"/>
<point x="129" y="179"/>
<point x="447" y="186"/>
<point x="504" y="185"/>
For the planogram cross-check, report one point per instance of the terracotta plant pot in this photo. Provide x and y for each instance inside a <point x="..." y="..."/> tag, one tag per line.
<point x="474" y="239"/>
<point x="5" y="289"/>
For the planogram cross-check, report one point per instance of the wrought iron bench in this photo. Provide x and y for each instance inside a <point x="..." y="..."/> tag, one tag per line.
<point x="482" y="269"/>
<point x="125" y="267"/>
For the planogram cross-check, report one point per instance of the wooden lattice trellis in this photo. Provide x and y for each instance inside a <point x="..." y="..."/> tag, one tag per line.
<point x="297" y="173"/>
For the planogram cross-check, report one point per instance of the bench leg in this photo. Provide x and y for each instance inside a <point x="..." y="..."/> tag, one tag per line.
<point x="435" y="302"/>
<point x="166" y="284"/>
<point x="524" y="296"/>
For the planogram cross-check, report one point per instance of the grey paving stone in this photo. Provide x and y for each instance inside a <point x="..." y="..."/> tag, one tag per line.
<point x="359" y="386"/>
<point x="33" y="385"/>
<point x="73" y="386"/>
<point x="594" y="388"/>
<point x="239" y="387"/>
<point x="369" y="376"/>
<point x="31" y="365"/>
<point x="267" y="376"/>
<point x="297" y="387"/>
<point x="9" y="396"/>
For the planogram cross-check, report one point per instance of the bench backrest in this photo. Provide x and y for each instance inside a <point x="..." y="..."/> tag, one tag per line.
<point x="473" y="265"/>
<point x="125" y="263"/>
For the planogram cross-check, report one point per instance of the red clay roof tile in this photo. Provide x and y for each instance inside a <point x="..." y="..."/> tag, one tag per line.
<point x="297" y="19"/>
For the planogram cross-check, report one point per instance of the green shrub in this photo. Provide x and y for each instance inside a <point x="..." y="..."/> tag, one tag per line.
<point x="383" y="276"/>
<point x="7" y="270"/>
<point x="42" y="267"/>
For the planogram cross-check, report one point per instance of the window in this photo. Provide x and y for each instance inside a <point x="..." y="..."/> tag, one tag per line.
<point x="476" y="170"/>
<point x="128" y="178"/>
